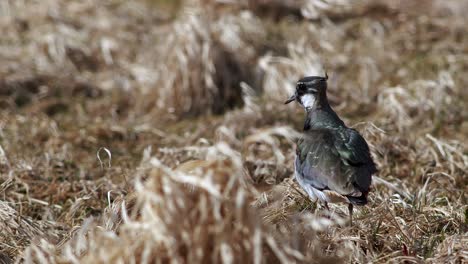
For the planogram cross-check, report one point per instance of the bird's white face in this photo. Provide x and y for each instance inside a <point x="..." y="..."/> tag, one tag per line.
<point x="308" y="100"/>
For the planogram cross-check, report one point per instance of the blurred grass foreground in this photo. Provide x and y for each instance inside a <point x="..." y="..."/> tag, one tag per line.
<point x="154" y="131"/>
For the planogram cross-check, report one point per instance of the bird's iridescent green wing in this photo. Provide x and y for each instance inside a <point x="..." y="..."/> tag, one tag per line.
<point x="355" y="155"/>
<point x="317" y="161"/>
<point x="338" y="160"/>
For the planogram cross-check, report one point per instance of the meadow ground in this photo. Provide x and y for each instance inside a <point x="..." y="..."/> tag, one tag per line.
<point x="155" y="131"/>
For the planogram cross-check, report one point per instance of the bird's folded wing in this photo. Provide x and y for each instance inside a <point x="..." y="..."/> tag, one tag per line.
<point x="354" y="153"/>
<point x="335" y="160"/>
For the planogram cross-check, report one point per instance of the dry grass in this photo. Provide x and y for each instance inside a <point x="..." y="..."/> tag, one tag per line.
<point x="186" y="96"/>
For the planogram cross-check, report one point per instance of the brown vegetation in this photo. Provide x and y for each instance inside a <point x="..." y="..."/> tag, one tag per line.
<point x="154" y="131"/>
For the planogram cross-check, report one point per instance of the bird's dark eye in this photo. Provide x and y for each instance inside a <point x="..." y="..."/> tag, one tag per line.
<point x="301" y="88"/>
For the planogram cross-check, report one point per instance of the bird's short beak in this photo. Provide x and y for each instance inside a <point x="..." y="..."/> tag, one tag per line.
<point x="290" y="99"/>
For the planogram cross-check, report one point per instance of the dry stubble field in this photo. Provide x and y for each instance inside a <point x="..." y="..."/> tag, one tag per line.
<point x="154" y="131"/>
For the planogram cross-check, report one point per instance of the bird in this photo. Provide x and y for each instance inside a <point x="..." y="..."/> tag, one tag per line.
<point x="333" y="162"/>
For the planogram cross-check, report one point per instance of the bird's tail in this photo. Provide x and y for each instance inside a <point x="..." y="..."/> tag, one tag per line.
<point x="360" y="200"/>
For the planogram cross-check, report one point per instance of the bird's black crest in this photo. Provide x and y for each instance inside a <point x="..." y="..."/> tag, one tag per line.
<point x="312" y="79"/>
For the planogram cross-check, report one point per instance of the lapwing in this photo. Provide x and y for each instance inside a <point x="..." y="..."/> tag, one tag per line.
<point x="333" y="162"/>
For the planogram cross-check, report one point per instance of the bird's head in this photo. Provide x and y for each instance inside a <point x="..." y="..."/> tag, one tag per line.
<point x="310" y="92"/>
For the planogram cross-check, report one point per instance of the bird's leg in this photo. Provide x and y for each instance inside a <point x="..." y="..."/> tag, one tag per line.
<point x="350" y="209"/>
<point x="329" y="216"/>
